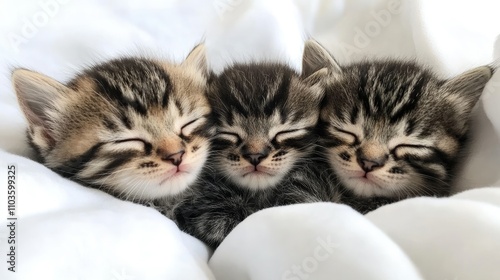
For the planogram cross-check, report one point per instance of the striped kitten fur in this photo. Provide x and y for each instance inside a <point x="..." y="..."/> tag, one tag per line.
<point x="212" y="209"/>
<point x="265" y="117"/>
<point x="134" y="127"/>
<point x="392" y="129"/>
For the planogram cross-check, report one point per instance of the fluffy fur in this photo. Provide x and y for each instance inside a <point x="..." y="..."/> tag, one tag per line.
<point x="392" y="129"/>
<point x="134" y="127"/>
<point x="211" y="210"/>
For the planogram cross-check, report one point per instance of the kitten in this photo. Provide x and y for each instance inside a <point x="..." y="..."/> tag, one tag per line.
<point x="134" y="127"/>
<point x="392" y="129"/>
<point x="265" y="116"/>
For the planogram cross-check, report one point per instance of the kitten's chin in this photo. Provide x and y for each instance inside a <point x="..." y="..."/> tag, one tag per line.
<point x="178" y="180"/>
<point x="175" y="184"/>
<point x="365" y="186"/>
<point x="257" y="180"/>
<point x="172" y="185"/>
<point x="167" y="185"/>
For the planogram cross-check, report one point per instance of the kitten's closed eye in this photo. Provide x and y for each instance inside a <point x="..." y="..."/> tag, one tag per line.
<point x="289" y="134"/>
<point x="130" y="140"/>
<point x="131" y="143"/>
<point x="190" y="126"/>
<point x="402" y="150"/>
<point x="348" y="137"/>
<point x="232" y="137"/>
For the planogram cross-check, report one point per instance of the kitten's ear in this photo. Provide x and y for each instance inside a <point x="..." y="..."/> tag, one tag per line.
<point x="316" y="77"/>
<point x="39" y="97"/>
<point x="197" y="58"/>
<point x="464" y="90"/>
<point x="317" y="62"/>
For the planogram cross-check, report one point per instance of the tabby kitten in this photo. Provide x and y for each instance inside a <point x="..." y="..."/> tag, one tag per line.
<point x="134" y="127"/>
<point x="392" y="129"/>
<point x="265" y="117"/>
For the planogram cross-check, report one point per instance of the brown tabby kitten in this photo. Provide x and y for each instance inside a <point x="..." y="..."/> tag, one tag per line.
<point x="133" y="127"/>
<point x="392" y="129"/>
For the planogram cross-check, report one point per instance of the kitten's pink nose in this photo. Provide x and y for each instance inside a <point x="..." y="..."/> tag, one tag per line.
<point x="175" y="158"/>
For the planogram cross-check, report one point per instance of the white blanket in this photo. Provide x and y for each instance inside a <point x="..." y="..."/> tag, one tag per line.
<point x="66" y="231"/>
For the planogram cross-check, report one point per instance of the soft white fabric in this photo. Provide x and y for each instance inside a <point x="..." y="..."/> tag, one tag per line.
<point x="445" y="238"/>
<point x="310" y="241"/>
<point x="66" y="231"/>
